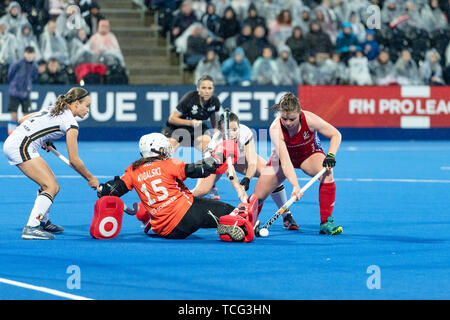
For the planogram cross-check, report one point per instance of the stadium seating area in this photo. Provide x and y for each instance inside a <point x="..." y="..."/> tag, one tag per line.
<point x="71" y="38"/>
<point x="310" y="42"/>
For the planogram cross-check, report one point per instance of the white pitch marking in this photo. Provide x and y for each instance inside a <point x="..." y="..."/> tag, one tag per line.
<point x="43" y="289"/>
<point x="18" y="176"/>
<point x="12" y="176"/>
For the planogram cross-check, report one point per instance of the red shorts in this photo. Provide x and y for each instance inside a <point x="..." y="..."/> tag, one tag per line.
<point x="297" y="162"/>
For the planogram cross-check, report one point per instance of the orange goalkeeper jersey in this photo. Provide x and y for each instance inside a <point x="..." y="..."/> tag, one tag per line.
<point x="160" y="187"/>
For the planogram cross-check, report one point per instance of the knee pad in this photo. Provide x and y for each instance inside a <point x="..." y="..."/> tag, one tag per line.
<point x="107" y="221"/>
<point x="235" y="228"/>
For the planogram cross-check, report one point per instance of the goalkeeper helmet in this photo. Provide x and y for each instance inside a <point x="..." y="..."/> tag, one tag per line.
<point x="155" y="145"/>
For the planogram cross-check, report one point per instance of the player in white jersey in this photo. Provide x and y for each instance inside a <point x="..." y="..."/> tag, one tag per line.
<point x="249" y="163"/>
<point x="37" y="130"/>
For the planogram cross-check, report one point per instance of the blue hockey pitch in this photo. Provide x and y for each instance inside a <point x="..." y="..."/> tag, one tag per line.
<point x="392" y="202"/>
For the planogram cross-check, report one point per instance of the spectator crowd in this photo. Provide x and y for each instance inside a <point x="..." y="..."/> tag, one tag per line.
<point x="311" y="42"/>
<point x="71" y="39"/>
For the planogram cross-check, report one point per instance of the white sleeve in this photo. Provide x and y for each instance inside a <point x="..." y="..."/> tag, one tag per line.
<point x="215" y="141"/>
<point x="68" y="122"/>
<point x="246" y="134"/>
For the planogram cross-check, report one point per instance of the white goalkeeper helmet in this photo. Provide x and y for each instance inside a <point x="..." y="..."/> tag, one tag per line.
<point x="155" y="145"/>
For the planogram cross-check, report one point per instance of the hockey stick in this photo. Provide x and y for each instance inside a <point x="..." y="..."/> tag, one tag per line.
<point x="127" y="210"/>
<point x="288" y="203"/>
<point x="226" y="127"/>
<point x="231" y="172"/>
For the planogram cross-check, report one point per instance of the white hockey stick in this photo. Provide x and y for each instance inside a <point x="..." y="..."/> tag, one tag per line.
<point x="288" y="203"/>
<point x="226" y="127"/>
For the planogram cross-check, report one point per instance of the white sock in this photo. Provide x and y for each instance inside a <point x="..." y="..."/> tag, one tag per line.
<point x="46" y="216"/>
<point x="279" y="196"/>
<point x="40" y="209"/>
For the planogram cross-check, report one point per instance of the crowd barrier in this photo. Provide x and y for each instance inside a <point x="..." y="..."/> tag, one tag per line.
<point x="392" y="112"/>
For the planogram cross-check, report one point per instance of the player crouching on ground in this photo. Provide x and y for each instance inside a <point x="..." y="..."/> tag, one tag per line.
<point x="172" y="211"/>
<point x="248" y="163"/>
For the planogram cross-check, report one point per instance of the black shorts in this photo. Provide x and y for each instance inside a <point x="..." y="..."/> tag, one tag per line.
<point x="185" y="135"/>
<point x="15" y="102"/>
<point x="197" y="217"/>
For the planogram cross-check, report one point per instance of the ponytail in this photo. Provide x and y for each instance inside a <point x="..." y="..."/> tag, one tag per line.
<point x="288" y="103"/>
<point x="65" y="100"/>
<point x="142" y="161"/>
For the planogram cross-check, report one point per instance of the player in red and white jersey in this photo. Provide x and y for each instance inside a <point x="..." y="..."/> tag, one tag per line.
<point x="249" y="163"/>
<point x="296" y="145"/>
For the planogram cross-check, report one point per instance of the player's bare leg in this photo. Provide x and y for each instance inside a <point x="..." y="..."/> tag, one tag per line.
<point x="37" y="170"/>
<point x="278" y="195"/>
<point x="204" y="185"/>
<point x="268" y="181"/>
<point x="242" y="167"/>
<point x="200" y="143"/>
<point x="313" y="165"/>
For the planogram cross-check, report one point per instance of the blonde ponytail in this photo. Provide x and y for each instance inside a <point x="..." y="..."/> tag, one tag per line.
<point x="65" y="100"/>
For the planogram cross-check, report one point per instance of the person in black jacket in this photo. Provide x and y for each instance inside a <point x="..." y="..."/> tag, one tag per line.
<point x="229" y="29"/>
<point x="93" y="17"/>
<point x="253" y="19"/>
<point x="182" y="21"/>
<point x="253" y="47"/>
<point x="318" y="40"/>
<point x="56" y="75"/>
<point x="299" y="45"/>
<point x="186" y="124"/>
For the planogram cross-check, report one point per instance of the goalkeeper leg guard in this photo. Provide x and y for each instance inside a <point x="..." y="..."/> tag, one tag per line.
<point x="107" y="221"/>
<point x="234" y="228"/>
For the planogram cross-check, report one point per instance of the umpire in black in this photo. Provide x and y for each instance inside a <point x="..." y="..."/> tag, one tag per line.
<point x="187" y="124"/>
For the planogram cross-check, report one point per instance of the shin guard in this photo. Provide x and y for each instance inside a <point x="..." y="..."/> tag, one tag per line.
<point x="235" y="228"/>
<point x="107" y="221"/>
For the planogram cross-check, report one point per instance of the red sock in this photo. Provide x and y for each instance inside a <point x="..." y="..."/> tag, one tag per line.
<point x="142" y="214"/>
<point x="327" y="195"/>
<point x="260" y="205"/>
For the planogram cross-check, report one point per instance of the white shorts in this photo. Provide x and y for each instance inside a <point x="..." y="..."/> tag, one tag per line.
<point x="17" y="149"/>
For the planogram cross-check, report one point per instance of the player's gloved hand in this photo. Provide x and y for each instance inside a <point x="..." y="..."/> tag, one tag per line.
<point x="47" y="144"/>
<point x="228" y="148"/>
<point x="245" y="182"/>
<point x="329" y="161"/>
